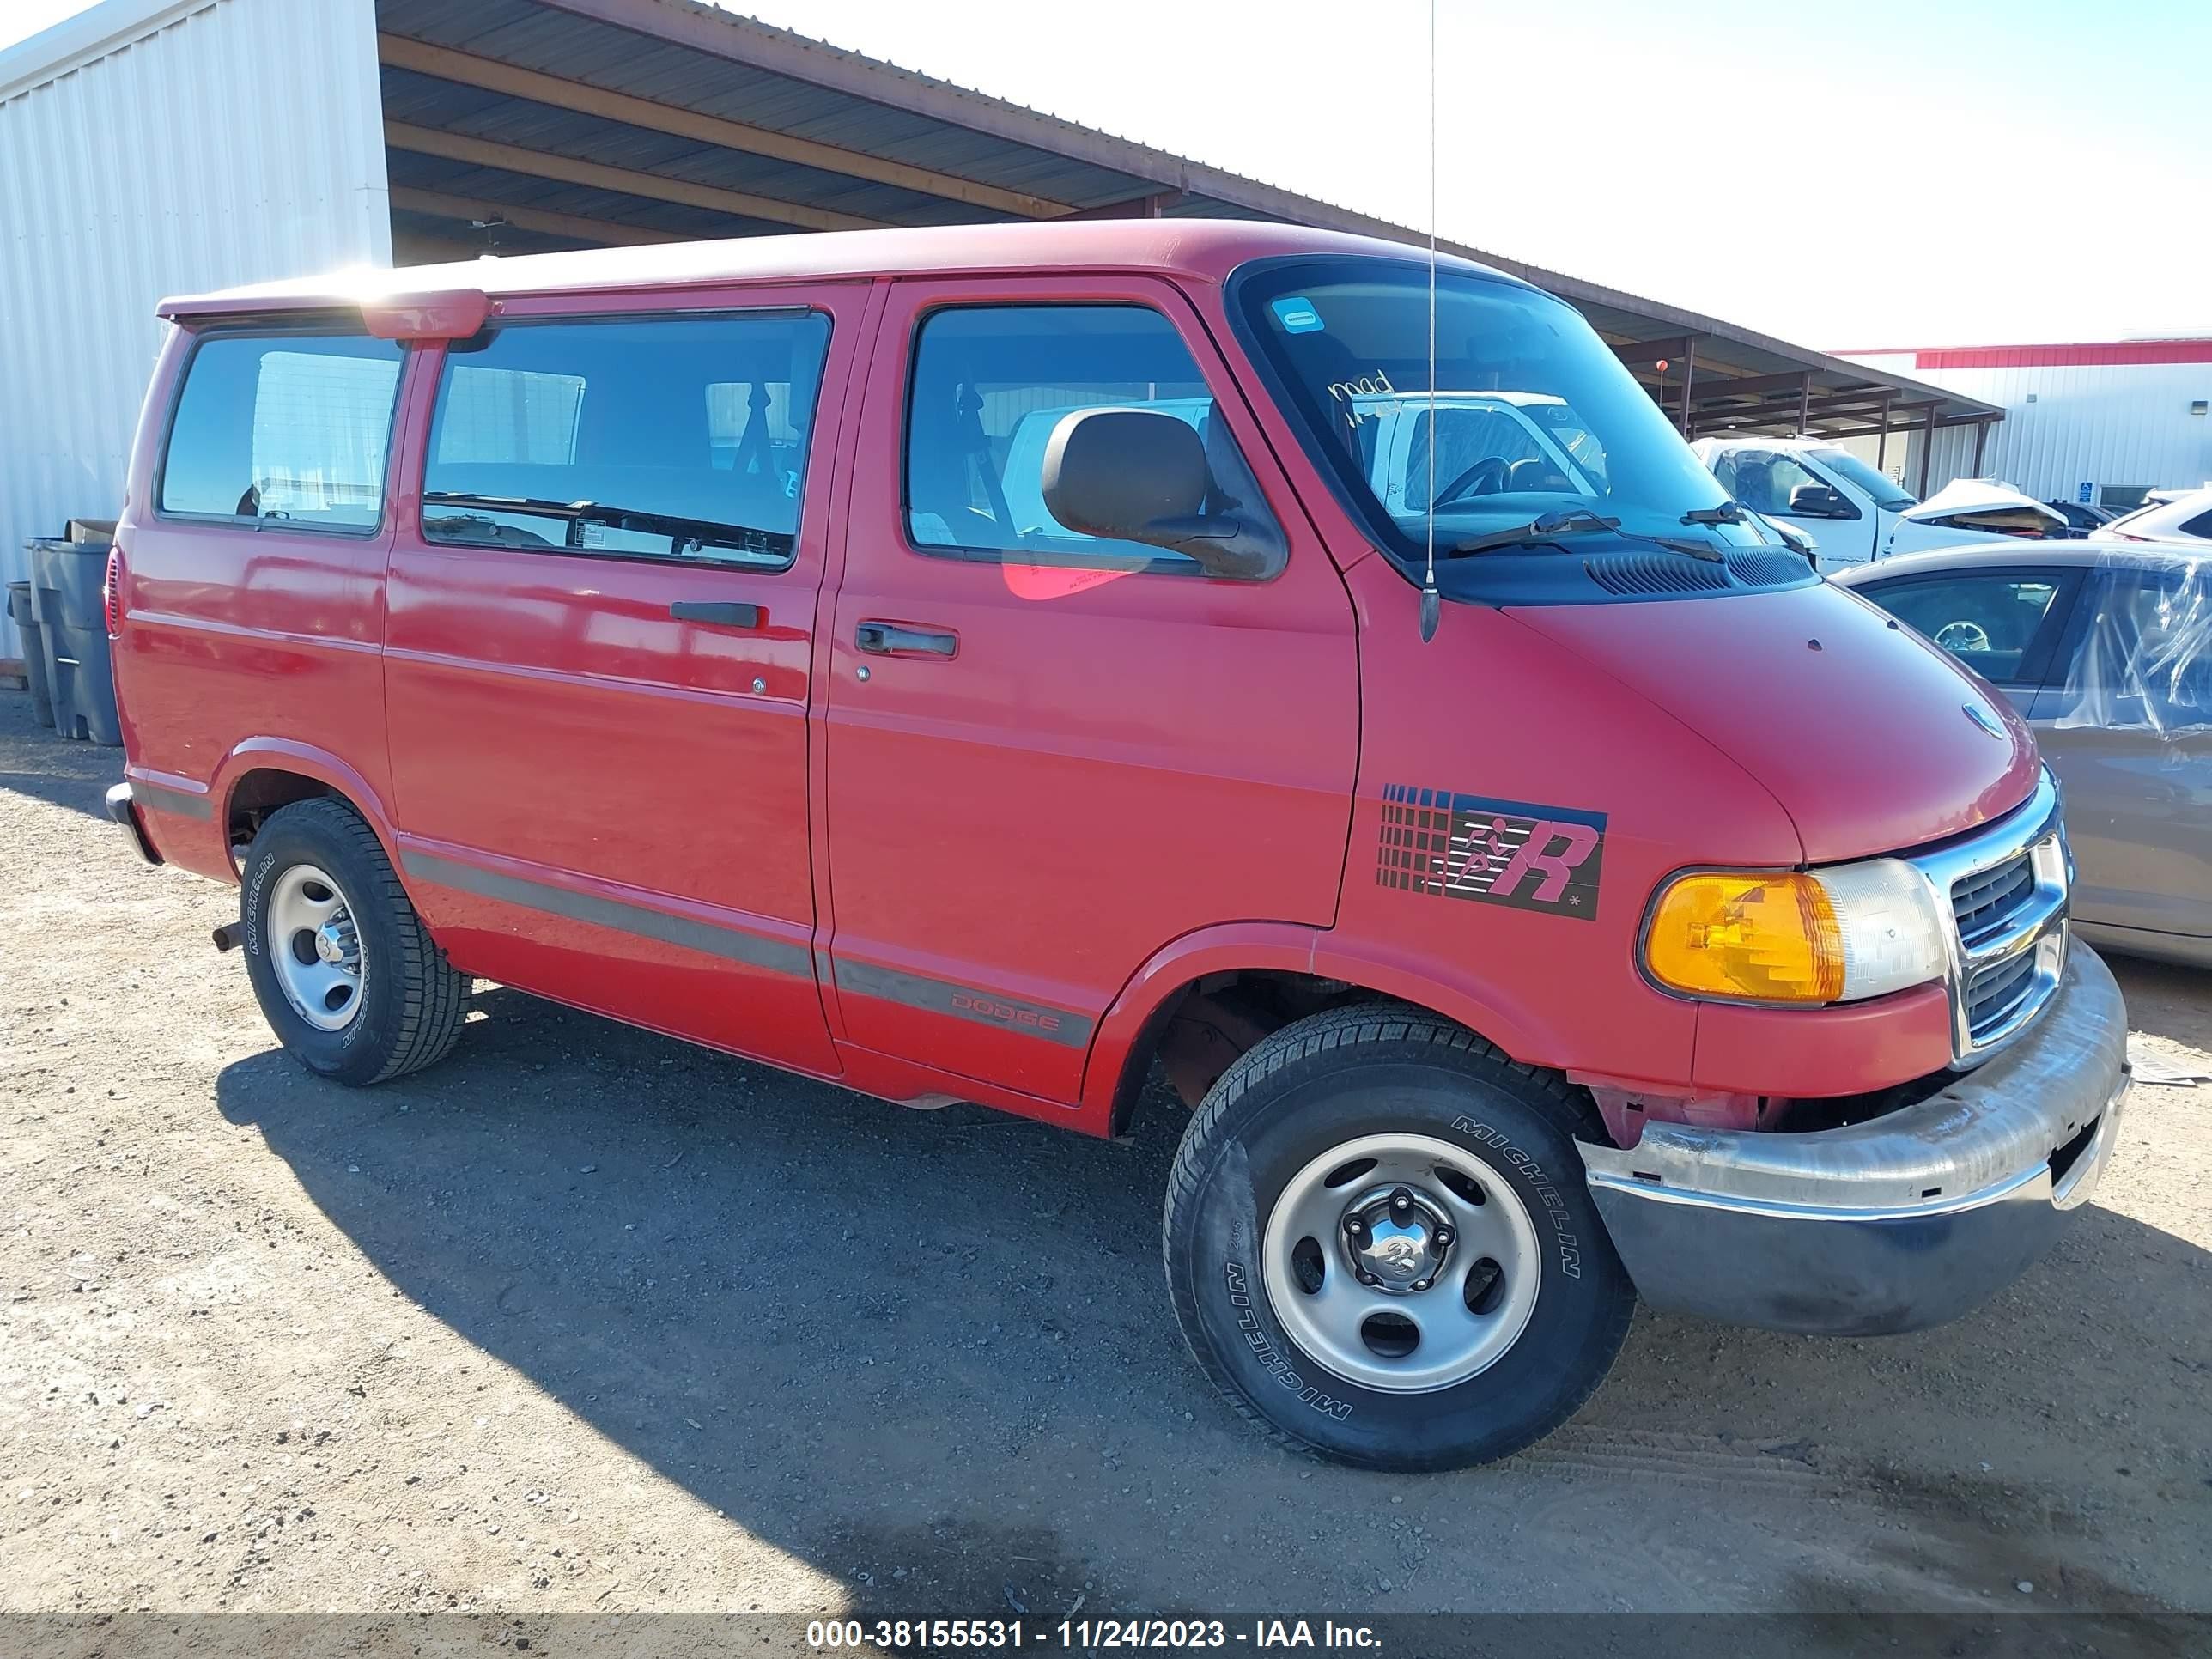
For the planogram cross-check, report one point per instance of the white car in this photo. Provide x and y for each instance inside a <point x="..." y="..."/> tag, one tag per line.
<point x="2186" y="517"/>
<point x="1856" y="513"/>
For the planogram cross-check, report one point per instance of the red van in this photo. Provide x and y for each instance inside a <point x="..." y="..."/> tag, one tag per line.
<point x="989" y="663"/>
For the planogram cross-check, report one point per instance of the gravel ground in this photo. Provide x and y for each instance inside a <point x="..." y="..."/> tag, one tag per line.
<point x="587" y="1320"/>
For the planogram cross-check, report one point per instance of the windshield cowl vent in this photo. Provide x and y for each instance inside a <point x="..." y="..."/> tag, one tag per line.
<point x="1627" y="574"/>
<point x="1661" y="576"/>
<point x="1774" y="567"/>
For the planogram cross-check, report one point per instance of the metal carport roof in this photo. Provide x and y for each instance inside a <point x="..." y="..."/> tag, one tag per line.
<point x="532" y="124"/>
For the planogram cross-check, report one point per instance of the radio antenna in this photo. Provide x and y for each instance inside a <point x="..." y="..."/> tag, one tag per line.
<point x="1432" y="604"/>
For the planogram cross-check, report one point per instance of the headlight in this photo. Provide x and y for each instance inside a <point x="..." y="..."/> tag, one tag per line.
<point x="1836" y="935"/>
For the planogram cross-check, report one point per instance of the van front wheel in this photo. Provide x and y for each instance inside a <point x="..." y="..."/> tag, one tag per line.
<point x="347" y="975"/>
<point x="1380" y="1242"/>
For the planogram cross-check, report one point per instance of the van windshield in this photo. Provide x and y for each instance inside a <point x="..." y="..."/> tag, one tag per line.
<point x="1533" y="414"/>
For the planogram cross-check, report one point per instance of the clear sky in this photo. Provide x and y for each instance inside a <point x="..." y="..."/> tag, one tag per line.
<point x="1862" y="172"/>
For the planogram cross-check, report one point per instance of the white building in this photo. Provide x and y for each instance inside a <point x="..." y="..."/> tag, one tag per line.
<point x="2099" y="422"/>
<point x="148" y="149"/>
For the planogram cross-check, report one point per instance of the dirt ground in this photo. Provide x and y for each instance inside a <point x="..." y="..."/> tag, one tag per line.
<point x="585" y="1320"/>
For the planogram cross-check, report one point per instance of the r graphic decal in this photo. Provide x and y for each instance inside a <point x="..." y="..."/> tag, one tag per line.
<point x="1497" y="852"/>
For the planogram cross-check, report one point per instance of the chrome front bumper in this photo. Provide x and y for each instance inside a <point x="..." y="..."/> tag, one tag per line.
<point x="1893" y="1224"/>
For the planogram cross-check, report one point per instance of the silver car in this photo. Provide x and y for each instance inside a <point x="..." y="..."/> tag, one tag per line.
<point x="2106" y="649"/>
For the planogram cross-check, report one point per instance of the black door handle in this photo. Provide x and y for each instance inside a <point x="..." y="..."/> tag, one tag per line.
<point x="716" y="611"/>
<point x="884" y="639"/>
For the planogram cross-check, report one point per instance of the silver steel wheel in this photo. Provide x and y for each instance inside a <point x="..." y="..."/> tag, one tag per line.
<point x="1401" y="1262"/>
<point x="316" y="949"/>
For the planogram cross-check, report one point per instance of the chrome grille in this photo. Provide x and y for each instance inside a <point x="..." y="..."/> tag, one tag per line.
<point x="2005" y="887"/>
<point x="1986" y="904"/>
<point x="1995" y="994"/>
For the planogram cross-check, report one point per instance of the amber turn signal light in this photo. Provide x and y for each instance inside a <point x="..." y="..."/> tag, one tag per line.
<point x="1763" y="936"/>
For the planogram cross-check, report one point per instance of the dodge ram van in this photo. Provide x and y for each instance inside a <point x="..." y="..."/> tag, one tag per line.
<point x="1542" y="887"/>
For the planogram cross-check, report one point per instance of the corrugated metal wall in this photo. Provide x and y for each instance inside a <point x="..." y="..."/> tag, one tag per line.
<point x="219" y="142"/>
<point x="2121" y="426"/>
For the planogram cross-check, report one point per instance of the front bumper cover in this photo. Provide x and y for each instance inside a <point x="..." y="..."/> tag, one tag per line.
<point x="1893" y="1224"/>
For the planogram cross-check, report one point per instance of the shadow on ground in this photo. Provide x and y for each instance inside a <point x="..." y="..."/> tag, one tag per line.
<point x="953" y="1324"/>
<point x="764" y="1286"/>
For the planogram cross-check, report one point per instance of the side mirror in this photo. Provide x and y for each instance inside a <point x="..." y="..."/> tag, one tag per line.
<point x="1135" y="475"/>
<point x="1819" y="502"/>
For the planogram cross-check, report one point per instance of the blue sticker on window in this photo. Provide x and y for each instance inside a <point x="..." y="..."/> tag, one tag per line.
<point x="1298" y="315"/>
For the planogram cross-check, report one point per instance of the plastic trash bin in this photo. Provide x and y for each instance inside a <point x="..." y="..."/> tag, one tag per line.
<point x="35" y="653"/>
<point x="65" y="583"/>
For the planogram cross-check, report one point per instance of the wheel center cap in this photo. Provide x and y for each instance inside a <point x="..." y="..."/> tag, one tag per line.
<point x="330" y="943"/>
<point x="1397" y="1241"/>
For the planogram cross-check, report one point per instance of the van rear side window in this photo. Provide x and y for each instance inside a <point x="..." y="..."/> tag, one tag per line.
<point x="669" y="438"/>
<point x="283" y="427"/>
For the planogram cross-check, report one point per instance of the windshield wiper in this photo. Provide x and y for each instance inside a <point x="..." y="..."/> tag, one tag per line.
<point x="1575" y="521"/>
<point x="1726" y="513"/>
<point x="1704" y="550"/>
<point x="698" y="532"/>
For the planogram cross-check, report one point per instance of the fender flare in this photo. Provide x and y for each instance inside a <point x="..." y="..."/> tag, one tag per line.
<point x="289" y="755"/>
<point x="1449" y="988"/>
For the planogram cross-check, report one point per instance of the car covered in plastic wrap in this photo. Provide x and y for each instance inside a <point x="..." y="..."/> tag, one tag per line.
<point x="2106" y="648"/>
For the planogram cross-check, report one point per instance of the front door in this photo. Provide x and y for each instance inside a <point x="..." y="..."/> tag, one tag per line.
<point x="599" y="655"/>
<point x="1050" y="756"/>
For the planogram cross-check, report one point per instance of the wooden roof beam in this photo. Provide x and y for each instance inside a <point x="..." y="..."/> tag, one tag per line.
<point x="567" y="170"/>
<point x="1752" y="385"/>
<point x="436" y="203"/>
<point x="1635" y="352"/>
<point x="489" y="75"/>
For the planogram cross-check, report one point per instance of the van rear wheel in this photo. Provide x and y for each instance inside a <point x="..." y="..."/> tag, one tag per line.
<point x="347" y="975"/>
<point x="1380" y="1242"/>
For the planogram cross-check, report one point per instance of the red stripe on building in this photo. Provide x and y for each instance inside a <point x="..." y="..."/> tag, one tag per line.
<point x="2109" y="352"/>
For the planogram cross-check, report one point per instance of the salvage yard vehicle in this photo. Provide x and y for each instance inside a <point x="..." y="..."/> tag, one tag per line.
<point x="2166" y="515"/>
<point x="1544" y="891"/>
<point x="1858" y="515"/>
<point x="2105" y="650"/>
<point x="2081" y="517"/>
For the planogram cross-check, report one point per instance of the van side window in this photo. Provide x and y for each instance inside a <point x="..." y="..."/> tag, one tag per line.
<point x="989" y="384"/>
<point x="644" y="438"/>
<point x="289" y="426"/>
